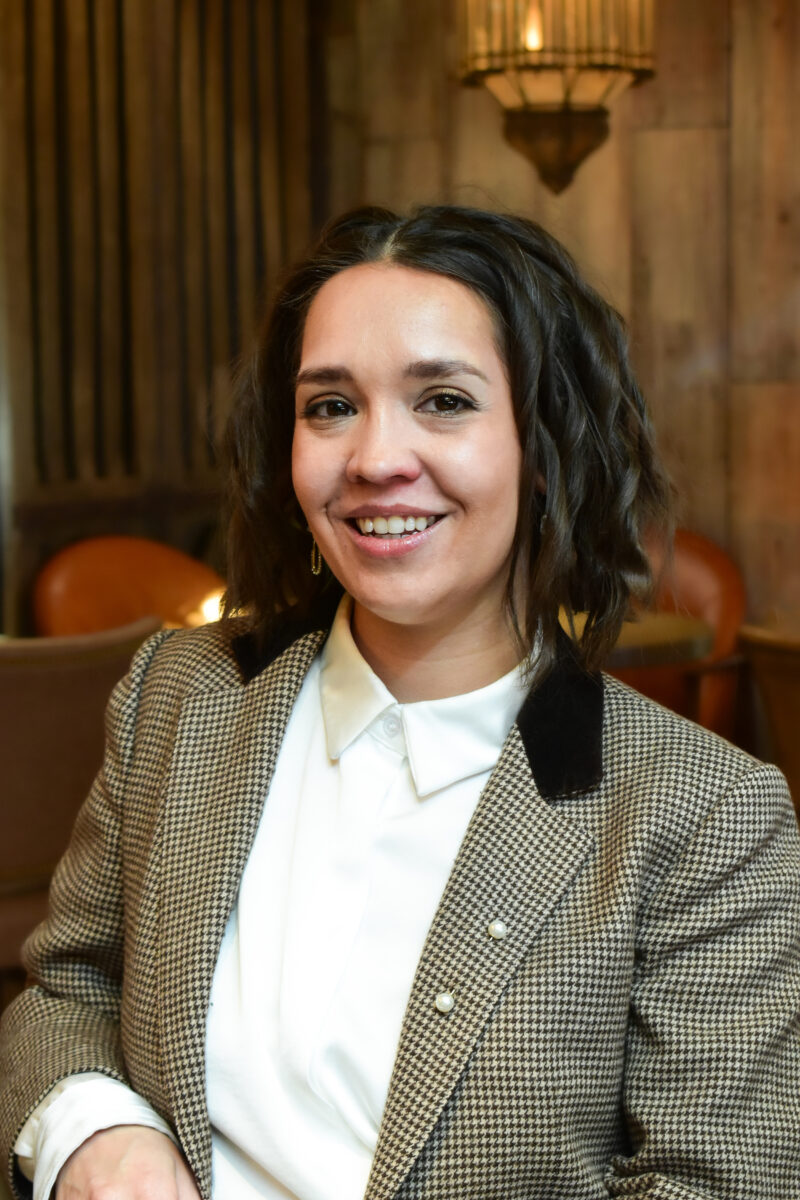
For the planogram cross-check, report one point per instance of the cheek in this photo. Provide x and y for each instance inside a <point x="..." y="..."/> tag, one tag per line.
<point x="303" y="474"/>
<point x="503" y="465"/>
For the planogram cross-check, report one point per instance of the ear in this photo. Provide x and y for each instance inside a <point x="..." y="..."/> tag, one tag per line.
<point x="541" y="485"/>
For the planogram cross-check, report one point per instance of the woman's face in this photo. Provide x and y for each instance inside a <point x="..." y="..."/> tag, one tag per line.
<point x="404" y="420"/>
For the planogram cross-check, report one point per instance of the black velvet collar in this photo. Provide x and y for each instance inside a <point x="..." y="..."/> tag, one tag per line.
<point x="561" y="721"/>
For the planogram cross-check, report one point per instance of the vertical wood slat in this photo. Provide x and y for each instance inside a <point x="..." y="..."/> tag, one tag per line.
<point x="191" y="233"/>
<point x="690" y="88"/>
<point x="766" y="494"/>
<point x="679" y="313"/>
<point x="169" y="436"/>
<point x="126" y="250"/>
<point x="50" y="350"/>
<point x="243" y="217"/>
<point x="291" y="48"/>
<point x="141" y="116"/>
<point x="765" y="190"/>
<point x="80" y="227"/>
<point x="111" y="458"/>
<point x="140" y="112"/>
<point x="18" y="442"/>
<point x="219" y="299"/>
<point x="273" y="202"/>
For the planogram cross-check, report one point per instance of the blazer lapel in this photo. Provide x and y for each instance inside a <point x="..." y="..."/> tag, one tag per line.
<point x="517" y="859"/>
<point x="226" y="749"/>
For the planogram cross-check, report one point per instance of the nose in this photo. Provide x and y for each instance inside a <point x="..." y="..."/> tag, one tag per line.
<point x="382" y="449"/>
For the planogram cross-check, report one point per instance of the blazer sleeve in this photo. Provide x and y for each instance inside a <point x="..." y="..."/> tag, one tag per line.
<point x="67" y="1021"/>
<point x="712" y="1083"/>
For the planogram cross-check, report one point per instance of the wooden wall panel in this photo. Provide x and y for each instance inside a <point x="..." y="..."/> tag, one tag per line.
<point x="766" y="494"/>
<point x="765" y="190"/>
<point x="679" y="312"/>
<point x="691" y="86"/>
<point x="404" y="123"/>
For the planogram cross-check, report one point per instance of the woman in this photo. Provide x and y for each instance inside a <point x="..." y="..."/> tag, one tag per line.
<point x="504" y="928"/>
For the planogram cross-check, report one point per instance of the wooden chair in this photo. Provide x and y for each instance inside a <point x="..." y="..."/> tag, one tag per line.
<point x="703" y="582"/>
<point x="103" y="582"/>
<point x="53" y="693"/>
<point x="774" y="656"/>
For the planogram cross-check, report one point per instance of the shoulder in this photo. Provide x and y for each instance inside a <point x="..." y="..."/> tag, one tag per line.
<point x="652" y="738"/>
<point x="670" y="775"/>
<point x="178" y="663"/>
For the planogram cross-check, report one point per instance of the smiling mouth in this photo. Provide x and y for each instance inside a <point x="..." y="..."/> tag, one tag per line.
<point x="395" y="526"/>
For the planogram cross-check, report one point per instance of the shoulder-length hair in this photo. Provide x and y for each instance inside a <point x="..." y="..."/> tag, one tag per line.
<point x="583" y="427"/>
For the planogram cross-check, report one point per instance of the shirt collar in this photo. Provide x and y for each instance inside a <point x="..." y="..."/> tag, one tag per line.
<point x="446" y="740"/>
<point x="351" y="694"/>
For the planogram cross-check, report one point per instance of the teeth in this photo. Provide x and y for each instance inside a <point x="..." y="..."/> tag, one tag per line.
<point x="394" y="526"/>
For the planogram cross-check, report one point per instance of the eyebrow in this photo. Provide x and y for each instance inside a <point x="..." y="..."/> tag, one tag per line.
<point x="424" y="368"/>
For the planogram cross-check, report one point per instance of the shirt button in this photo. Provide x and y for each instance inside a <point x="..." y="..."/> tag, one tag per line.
<point x="445" y="1002"/>
<point x="497" y="929"/>
<point x="391" y="726"/>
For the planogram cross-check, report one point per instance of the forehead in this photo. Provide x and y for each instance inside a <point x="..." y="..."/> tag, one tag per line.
<point x="399" y="307"/>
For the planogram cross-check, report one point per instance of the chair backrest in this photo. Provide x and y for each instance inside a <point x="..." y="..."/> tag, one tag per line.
<point x="103" y="582"/>
<point x="53" y="694"/>
<point x="701" y="581"/>
<point x="774" y="656"/>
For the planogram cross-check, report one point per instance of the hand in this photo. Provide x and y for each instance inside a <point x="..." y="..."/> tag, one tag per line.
<point x="126" y="1162"/>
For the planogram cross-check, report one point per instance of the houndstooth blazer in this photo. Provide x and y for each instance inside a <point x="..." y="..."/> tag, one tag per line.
<point x="634" y="1034"/>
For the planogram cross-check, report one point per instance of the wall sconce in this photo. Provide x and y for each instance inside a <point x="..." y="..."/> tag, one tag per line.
<point x="555" y="65"/>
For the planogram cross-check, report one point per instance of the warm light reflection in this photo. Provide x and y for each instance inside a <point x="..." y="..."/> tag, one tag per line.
<point x="533" y="28"/>
<point x="211" y="608"/>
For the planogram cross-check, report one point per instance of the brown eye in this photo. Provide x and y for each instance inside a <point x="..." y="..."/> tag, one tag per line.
<point x="446" y="403"/>
<point x="328" y="409"/>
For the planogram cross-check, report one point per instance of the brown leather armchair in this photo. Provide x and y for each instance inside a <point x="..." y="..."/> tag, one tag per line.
<point x="702" y="581"/>
<point x="774" y="656"/>
<point x="102" y="582"/>
<point x="53" y="693"/>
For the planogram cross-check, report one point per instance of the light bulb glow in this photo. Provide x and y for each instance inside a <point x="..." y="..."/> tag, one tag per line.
<point x="211" y="606"/>
<point x="533" y="29"/>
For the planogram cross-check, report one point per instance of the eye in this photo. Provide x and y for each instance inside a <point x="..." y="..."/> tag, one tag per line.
<point x="446" y="404"/>
<point x="330" y="408"/>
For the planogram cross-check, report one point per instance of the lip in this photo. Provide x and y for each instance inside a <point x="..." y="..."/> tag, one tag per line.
<point x="390" y="547"/>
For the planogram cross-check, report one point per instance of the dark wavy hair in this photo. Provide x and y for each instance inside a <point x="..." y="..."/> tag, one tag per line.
<point x="579" y="544"/>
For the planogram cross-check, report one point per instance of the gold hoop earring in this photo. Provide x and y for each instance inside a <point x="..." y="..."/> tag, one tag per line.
<point x="316" y="559"/>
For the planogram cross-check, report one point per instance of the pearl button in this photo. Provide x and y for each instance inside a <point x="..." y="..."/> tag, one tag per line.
<point x="497" y="929"/>
<point x="391" y="726"/>
<point x="445" y="1002"/>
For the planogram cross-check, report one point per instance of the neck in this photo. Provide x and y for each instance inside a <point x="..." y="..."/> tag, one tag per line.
<point x="425" y="663"/>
